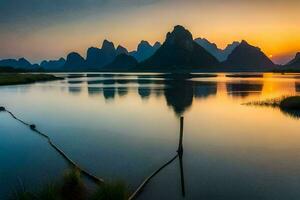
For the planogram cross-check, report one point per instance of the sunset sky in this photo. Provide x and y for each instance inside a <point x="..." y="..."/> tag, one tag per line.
<point x="49" y="29"/>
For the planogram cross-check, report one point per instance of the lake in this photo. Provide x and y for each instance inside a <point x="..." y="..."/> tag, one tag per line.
<point x="124" y="126"/>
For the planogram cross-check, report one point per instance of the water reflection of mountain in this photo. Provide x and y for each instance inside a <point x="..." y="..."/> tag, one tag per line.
<point x="205" y="89"/>
<point x="179" y="95"/>
<point x="95" y="91"/>
<point x="122" y="91"/>
<point x="297" y="86"/>
<point x="179" y="92"/>
<point x="74" y="89"/>
<point x="109" y="93"/>
<point x="243" y="89"/>
<point x="144" y="92"/>
<point x="74" y="84"/>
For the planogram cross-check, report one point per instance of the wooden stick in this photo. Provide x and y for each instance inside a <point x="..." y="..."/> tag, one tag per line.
<point x="146" y="181"/>
<point x="180" y="145"/>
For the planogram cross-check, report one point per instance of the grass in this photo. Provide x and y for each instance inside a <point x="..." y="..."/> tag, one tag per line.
<point x="72" y="187"/>
<point x="245" y="75"/>
<point x="20" y="78"/>
<point x="50" y="192"/>
<point x="289" y="105"/>
<point x="275" y="102"/>
<point x="111" y="191"/>
<point x="284" y="102"/>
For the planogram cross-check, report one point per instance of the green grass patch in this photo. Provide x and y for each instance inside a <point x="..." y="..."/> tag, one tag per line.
<point x="288" y="105"/>
<point x="19" y="78"/>
<point x="275" y="102"/>
<point x="111" y="191"/>
<point x="284" y="102"/>
<point x="72" y="187"/>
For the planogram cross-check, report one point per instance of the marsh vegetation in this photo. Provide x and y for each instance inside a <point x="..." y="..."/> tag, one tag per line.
<point x="289" y="105"/>
<point x="20" y="78"/>
<point x="72" y="187"/>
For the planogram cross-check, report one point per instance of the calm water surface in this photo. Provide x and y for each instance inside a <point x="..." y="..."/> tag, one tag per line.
<point x="124" y="126"/>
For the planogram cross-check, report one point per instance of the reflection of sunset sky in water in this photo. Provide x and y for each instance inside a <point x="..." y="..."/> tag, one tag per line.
<point x="122" y="127"/>
<point x="181" y="93"/>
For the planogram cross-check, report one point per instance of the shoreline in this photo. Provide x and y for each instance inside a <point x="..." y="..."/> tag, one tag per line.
<point x="25" y="78"/>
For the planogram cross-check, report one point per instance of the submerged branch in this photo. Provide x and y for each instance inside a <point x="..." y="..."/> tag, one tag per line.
<point x="95" y="179"/>
<point x="53" y="145"/>
<point x="146" y="181"/>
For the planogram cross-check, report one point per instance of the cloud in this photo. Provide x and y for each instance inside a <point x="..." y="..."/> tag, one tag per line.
<point x="26" y="11"/>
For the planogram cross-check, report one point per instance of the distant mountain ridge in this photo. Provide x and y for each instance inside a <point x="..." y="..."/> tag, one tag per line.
<point x="20" y="63"/>
<point x="122" y="62"/>
<point x="74" y="62"/>
<point x="144" y="50"/>
<point x="53" y="65"/>
<point x="121" y="50"/>
<point x="248" y="57"/>
<point x="294" y="62"/>
<point x="220" y="54"/>
<point x="99" y="58"/>
<point x="179" y="51"/>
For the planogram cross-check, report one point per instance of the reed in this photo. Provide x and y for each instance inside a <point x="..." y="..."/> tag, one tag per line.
<point x="111" y="191"/>
<point x="20" y="78"/>
<point x="274" y="102"/>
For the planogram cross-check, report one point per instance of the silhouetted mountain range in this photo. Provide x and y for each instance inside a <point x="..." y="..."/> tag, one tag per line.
<point x="220" y="54"/>
<point x="121" y="50"/>
<point x="100" y="58"/>
<point x="53" y="65"/>
<point x="21" y="63"/>
<point x="121" y="63"/>
<point x="180" y="91"/>
<point x="248" y="57"/>
<point x="178" y="52"/>
<point x="74" y="62"/>
<point x="295" y="62"/>
<point x="144" y="50"/>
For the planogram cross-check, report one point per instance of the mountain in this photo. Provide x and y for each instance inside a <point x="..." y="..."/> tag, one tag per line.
<point x="108" y="52"/>
<point x="144" y="50"/>
<point x="93" y="57"/>
<point x="247" y="57"/>
<point x="295" y="62"/>
<point x="220" y="54"/>
<point x="97" y="58"/>
<point x="179" y="51"/>
<point x="74" y="62"/>
<point x="122" y="62"/>
<point x="20" y="63"/>
<point x="121" y="50"/>
<point x="229" y="49"/>
<point x="156" y="45"/>
<point x="53" y="65"/>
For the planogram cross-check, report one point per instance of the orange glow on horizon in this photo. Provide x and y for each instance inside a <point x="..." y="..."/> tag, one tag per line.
<point x="275" y="28"/>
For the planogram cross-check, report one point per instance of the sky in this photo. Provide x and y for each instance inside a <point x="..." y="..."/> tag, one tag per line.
<point x="50" y="29"/>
